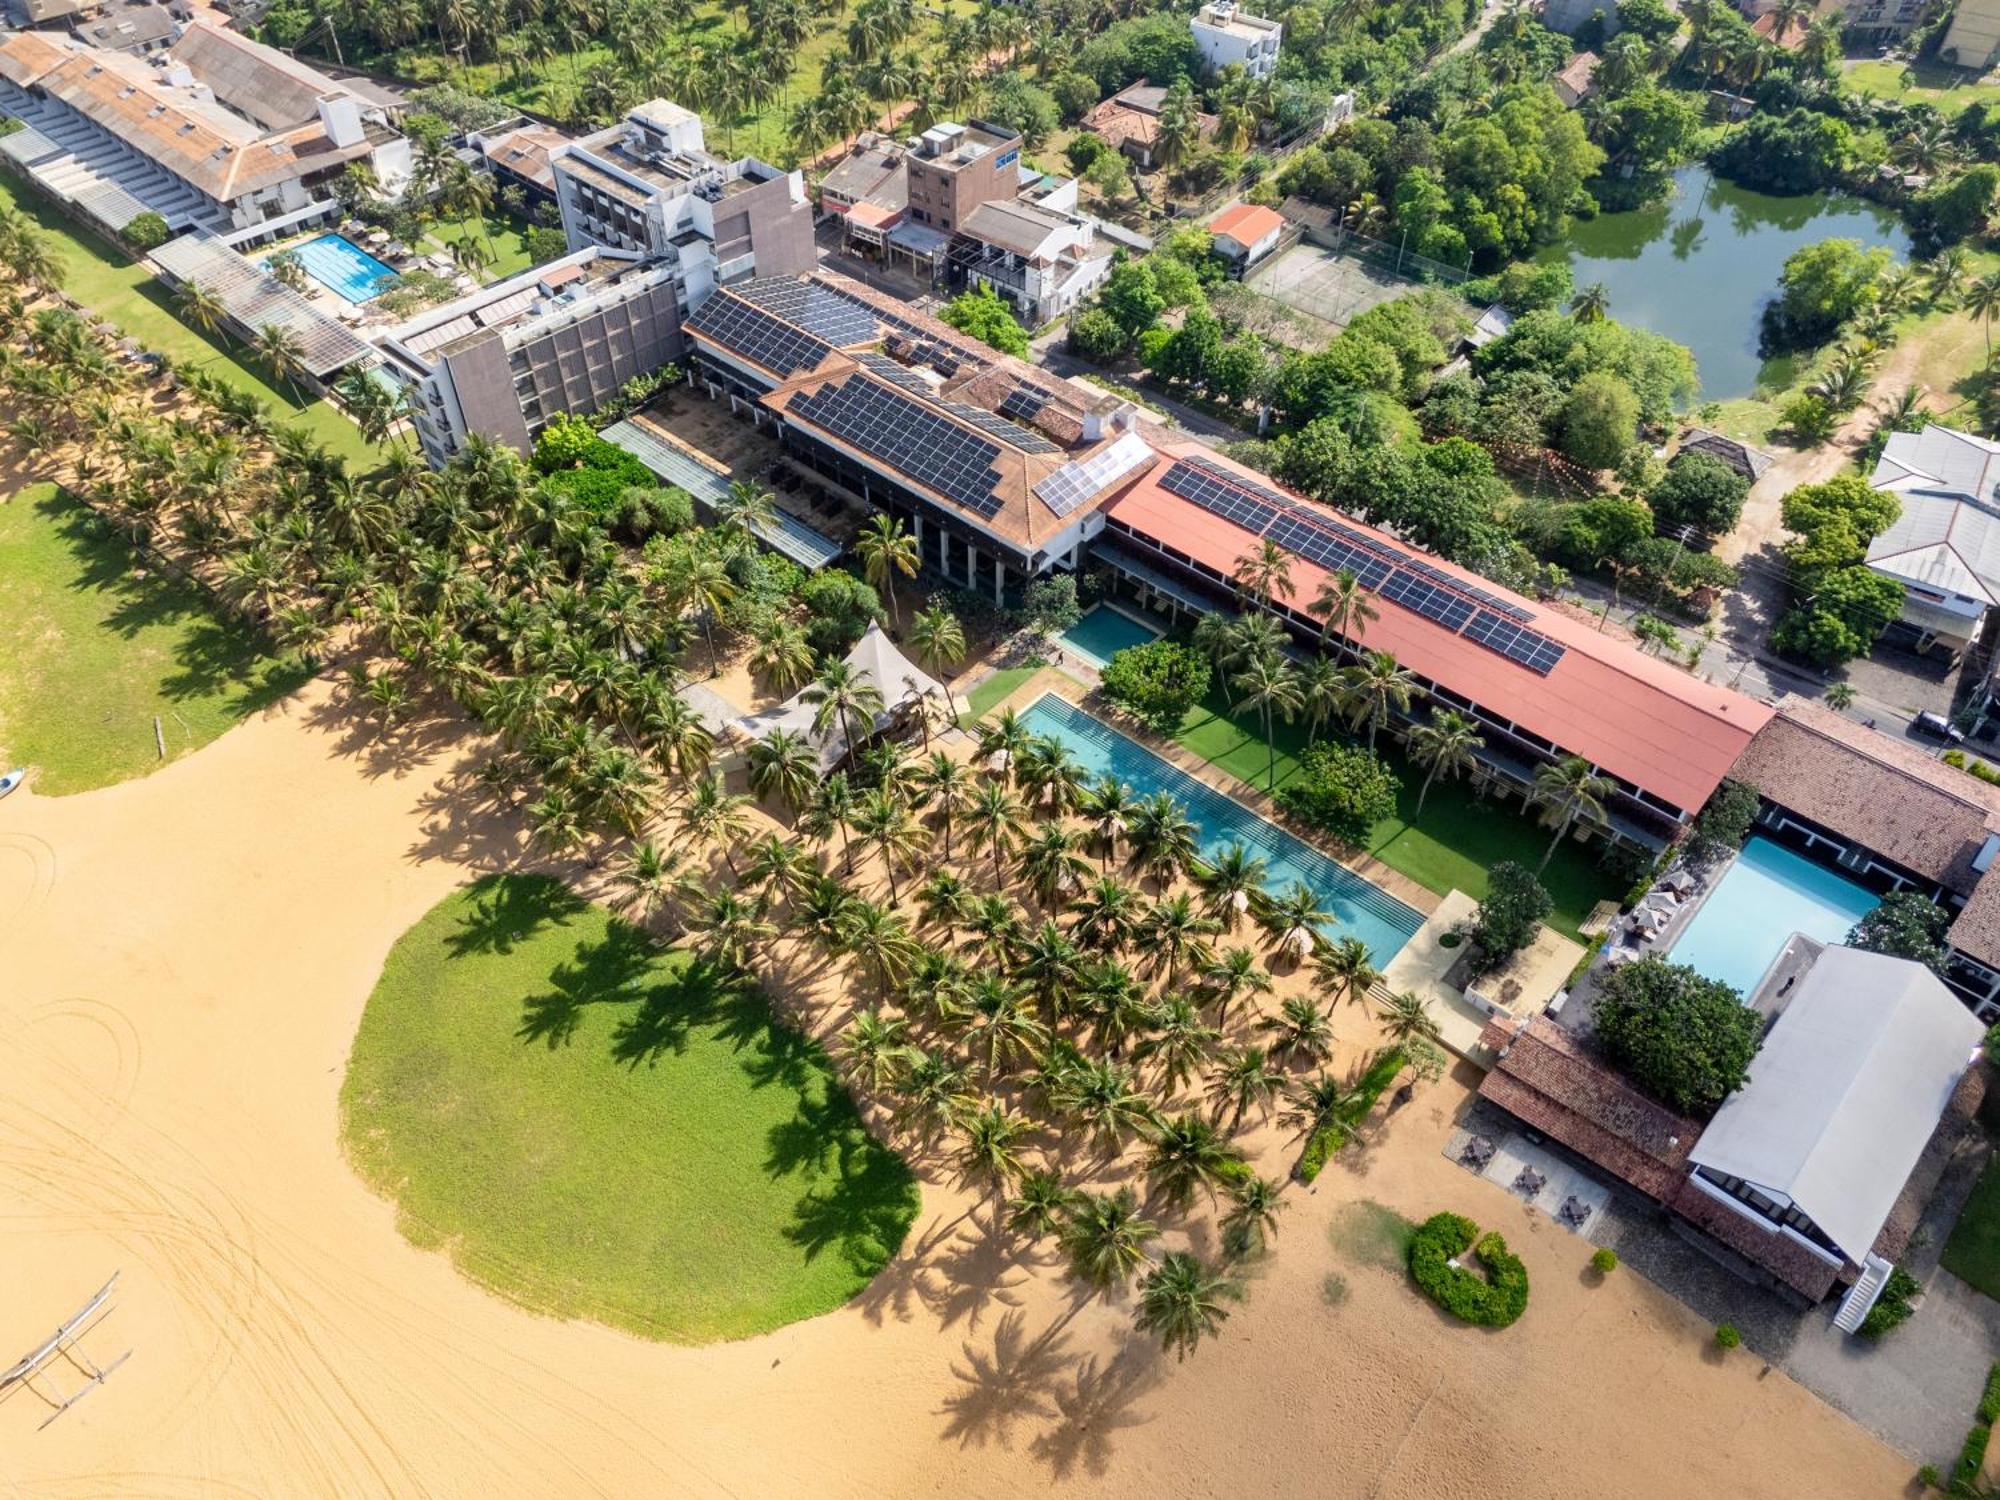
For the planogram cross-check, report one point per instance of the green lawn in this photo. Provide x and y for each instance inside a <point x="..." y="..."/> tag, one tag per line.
<point x="599" y="1128"/>
<point x="506" y="236"/>
<point x="983" y="699"/>
<point x="1458" y="839"/>
<point x="126" y="293"/>
<point x="1948" y="90"/>
<point x="88" y="656"/>
<point x="1972" y="1254"/>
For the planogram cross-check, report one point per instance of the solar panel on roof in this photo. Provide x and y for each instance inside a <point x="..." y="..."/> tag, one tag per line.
<point x="888" y="424"/>
<point x="1194" y="483"/>
<point x="1079" y="479"/>
<point x="1216" y="471"/>
<point x="1530" y="648"/>
<point x="1011" y="433"/>
<point x="1023" y="402"/>
<point x="1291" y="532"/>
<point x="819" y="310"/>
<point x="758" y="335"/>
<point x="1419" y="595"/>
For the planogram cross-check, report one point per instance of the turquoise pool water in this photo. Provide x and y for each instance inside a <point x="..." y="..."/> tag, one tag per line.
<point x="337" y="262"/>
<point x="1359" y="909"/>
<point x="1103" y="632"/>
<point x="1767" y="895"/>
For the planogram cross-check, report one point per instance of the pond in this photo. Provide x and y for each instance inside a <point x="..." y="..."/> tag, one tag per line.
<point x="1700" y="266"/>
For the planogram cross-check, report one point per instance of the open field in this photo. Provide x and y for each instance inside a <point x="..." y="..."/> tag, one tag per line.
<point x="191" y="956"/>
<point x="1947" y="90"/>
<point x="126" y="293"/>
<point x="1452" y="846"/>
<point x="88" y="655"/>
<point x="522" y="1043"/>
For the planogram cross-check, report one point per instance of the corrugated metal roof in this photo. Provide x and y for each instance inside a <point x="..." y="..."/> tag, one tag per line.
<point x="253" y="298"/>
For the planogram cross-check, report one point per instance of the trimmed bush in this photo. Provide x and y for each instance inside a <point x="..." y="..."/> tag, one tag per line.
<point x="147" y="231"/>
<point x="1929" y="1477"/>
<point x="1892" y="1309"/>
<point x="1335" y="1133"/>
<point x="1156" y="683"/>
<point x="1605" y="1261"/>
<point x="1492" y="1301"/>
<point x="1971" y="1457"/>
<point x="1726" y="1336"/>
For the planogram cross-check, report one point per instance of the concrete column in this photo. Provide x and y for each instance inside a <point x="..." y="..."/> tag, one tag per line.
<point x="999" y="582"/>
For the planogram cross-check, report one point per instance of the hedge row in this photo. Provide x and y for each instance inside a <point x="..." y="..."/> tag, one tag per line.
<point x="1330" y="1137"/>
<point x="1972" y="1453"/>
<point x="1492" y="1301"/>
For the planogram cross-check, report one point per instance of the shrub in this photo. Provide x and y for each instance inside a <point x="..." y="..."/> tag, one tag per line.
<point x="1989" y="1404"/>
<point x="1330" y="1136"/>
<point x="1892" y="1309"/>
<point x="1726" y="1336"/>
<point x="1723" y="823"/>
<point x="840" y="608"/>
<point x="1157" y="682"/>
<point x="1701" y="492"/>
<point x="147" y="231"/>
<point x="1605" y="1261"/>
<point x="1971" y="1457"/>
<point x="563" y="442"/>
<point x="1344" y="789"/>
<point x="544" y="244"/>
<point x="1929" y="1478"/>
<point x="1907" y="924"/>
<point x="981" y="313"/>
<point x="1492" y="1301"/>
<point x="1512" y="913"/>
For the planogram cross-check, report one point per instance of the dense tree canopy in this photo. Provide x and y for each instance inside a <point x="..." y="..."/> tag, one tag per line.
<point x="1686" y="1039"/>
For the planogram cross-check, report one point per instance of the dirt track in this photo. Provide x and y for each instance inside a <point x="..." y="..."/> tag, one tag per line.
<point x="186" y="959"/>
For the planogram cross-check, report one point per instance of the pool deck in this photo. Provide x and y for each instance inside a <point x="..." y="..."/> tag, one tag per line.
<point x="1071" y="690"/>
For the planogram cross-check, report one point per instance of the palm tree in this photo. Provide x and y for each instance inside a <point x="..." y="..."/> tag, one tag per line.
<point x="1187" y="1154"/>
<point x="946" y="786"/>
<point x="1181" y="1043"/>
<point x="782" y="656"/>
<point x="932" y="1094"/>
<point x="1107" y="806"/>
<point x="714" y="818"/>
<point x="1264" y="573"/>
<point x="841" y="693"/>
<point x="1002" y="740"/>
<point x="282" y="354"/>
<point x="1300" y="1029"/>
<point x="705" y="585"/>
<point x="202" y="309"/>
<point x="1840" y="695"/>
<point x="745" y="511"/>
<point x="1270" y="686"/>
<point x="1252" y="1221"/>
<point x="1982" y="300"/>
<point x="1321" y="1103"/>
<point x="992" y="821"/>
<point x="1375" y="687"/>
<point x="886" y="549"/>
<point x="1105" y="1238"/>
<point x="1343" y="607"/>
<point x="1572" y="791"/>
<point x="1053" y="863"/>
<point x="650" y="879"/>
<point x="939" y="641"/>
<point x="784" y="763"/>
<point x="1295" y="920"/>
<point x="1173" y="931"/>
<point x="989" y="1147"/>
<point x="1592" y="304"/>
<point x="832" y="811"/>
<point x="777" y="868"/>
<point x="1162" y="838"/>
<point x="1405" y="1018"/>
<point x="888" y="824"/>
<point x="1230" y="975"/>
<point x="1107" y="915"/>
<point x="943" y="901"/>
<point x="1181" y="1300"/>
<point x="880" y="939"/>
<point x="875" y="1047"/>
<point x="1245" y="1081"/>
<point x="1444" y="747"/>
<point x="729" y="928"/>
<point x="1345" y="969"/>
<point x="1000" y="1022"/>
<point x="1041" y="1205"/>
<point x="1234" y="876"/>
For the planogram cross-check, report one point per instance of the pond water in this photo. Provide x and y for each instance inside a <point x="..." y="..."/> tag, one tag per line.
<point x="1700" y="267"/>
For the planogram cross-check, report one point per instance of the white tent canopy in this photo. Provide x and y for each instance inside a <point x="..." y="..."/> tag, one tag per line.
<point x="876" y="661"/>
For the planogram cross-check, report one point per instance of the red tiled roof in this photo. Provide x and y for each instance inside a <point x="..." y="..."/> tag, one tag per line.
<point x="1786" y="1259"/>
<point x="1246" y="223"/>
<point x="1634" y="716"/>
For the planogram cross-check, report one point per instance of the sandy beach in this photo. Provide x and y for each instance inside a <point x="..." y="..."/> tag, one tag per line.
<point x="186" y="959"/>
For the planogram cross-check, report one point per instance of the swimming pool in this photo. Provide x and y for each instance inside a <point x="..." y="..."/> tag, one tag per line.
<point x="1359" y="909"/>
<point x="1104" y="631"/>
<point x="339" y="264"/>
<point x="1767" y="895"/>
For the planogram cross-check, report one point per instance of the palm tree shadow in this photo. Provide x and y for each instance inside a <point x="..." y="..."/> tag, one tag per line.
<point x="600" y="973"/>
<point x="668" y="1009"/>
<point x="510" y="909"/>
<point x="1008" y="1384"/>
<point x="864" y="1211"/>
<point x="1097" y="1404"/>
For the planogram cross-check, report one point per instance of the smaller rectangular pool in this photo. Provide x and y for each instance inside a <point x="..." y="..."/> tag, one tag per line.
<point x="342" y="266"/>
<point x="1766" y="896"/>
<point x="1104" y="631"/>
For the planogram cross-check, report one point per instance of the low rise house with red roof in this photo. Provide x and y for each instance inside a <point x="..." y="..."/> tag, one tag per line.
<point x="1245" y="233"/>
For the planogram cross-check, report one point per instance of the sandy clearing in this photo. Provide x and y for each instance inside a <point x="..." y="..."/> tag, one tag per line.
<point x="188" y="955"/>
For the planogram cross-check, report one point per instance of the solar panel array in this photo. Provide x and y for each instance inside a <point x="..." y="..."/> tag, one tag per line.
<point x="1010" y="433"/>
<point x="1079" y="479"/>
<point x="758" y="335"/>
<point x="1023" y="402"/>
<point x="1410" y="582"/>
<point x="820" y="310"/>
<point x="907" y="435"/>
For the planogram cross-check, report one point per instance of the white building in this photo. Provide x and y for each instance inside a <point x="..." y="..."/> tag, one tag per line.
<point x="1226" y="35"/>
<point x="1945" y="546"/>
<point x="1037" y="258"/>
<point x="1244" y="233"/>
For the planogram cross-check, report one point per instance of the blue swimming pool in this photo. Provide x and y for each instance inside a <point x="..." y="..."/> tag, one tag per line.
<point x="1104" y="631"/>
<point x="1360" y="909"/>
<point x="338" y="263"/>
<point x="1766" y="896"/>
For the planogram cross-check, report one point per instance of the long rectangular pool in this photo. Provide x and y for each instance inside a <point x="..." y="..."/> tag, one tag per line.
<point x="1359" y="909"/>
<point x="1766" y="896"/>
<point x="339" y="264"/>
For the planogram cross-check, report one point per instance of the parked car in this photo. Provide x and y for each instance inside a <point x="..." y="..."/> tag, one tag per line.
<point x="1935" y="726"/>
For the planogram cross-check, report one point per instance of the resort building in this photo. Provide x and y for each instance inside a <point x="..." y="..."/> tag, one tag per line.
<point x="1973" y="38"/>
<point x="649" y="185"/>
<point x="1039" y="260"/>
<point x="562" y="337"/>
<point x="519" y="156"/>
<point x="1814" y="1173"/>
<point x="1886" y="813"/>
<point x="955" y="168"/>
<point x="1245" y="233"/>
<point x="141" y="27"/>
<point x="1228" y="36"/>
<point x="252" y="299"/>
<point x="1945" y="546"/>
<point x="214" y="132"/>
<point x="1130" y="121"/>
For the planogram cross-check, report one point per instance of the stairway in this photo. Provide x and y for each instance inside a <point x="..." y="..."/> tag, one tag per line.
<point x="1874" y="1276"/>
